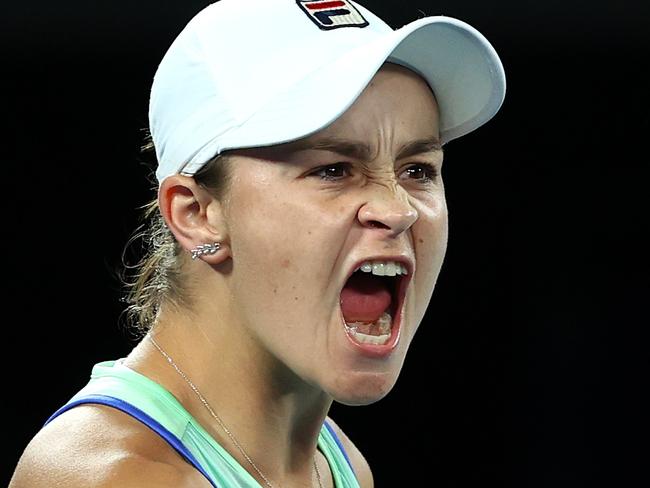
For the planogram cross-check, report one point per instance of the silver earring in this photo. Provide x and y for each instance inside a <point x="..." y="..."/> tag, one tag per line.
<point x="202" y="249"/>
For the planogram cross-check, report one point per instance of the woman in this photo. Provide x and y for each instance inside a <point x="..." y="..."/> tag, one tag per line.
<point x="298" y="231"/>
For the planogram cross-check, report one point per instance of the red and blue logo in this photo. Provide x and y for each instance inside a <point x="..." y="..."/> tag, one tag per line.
<point x="332" y="14"/>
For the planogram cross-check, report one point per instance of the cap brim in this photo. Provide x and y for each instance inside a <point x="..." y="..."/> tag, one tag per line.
<point x="462" y="68"/>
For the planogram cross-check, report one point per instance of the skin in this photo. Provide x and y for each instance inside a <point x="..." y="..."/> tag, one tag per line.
<point x="264" y="341"/>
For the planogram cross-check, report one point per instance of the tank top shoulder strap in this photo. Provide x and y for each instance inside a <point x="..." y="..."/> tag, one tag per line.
<point x="115" y="385"/>
<point x="339" y="462"/>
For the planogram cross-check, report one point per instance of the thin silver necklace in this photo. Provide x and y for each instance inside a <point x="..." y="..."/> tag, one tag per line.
<point x="220" y="422"/>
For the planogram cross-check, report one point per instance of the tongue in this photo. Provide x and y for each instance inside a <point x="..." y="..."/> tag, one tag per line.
<point x="364" y="298"/>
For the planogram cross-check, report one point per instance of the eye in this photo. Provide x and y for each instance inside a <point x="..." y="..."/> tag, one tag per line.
<point x="332" y="172"/>
<point x="423" y="172"/>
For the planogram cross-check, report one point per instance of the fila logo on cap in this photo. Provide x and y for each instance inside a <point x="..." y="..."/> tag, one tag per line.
<point x="332" y="14"/>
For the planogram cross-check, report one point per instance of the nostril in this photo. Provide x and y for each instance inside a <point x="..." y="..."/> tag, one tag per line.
<point x="376" y="223"/>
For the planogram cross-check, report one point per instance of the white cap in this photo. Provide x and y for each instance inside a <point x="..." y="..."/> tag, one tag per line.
<point x="250" y="73"/>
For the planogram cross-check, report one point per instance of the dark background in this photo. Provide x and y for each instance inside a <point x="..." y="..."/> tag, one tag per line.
<point x="531" y="367"/>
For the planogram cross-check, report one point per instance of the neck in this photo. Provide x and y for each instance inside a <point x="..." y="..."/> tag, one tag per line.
<point x="273" y="414"/>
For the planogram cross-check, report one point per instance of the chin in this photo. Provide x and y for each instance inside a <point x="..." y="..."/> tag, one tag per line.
<point x="362" y="388"/>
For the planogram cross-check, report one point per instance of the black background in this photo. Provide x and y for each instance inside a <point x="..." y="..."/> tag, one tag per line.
<point x="531" y="366"/>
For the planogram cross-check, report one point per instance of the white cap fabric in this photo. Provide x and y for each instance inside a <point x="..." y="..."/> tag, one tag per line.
<point x="250" y="73"/>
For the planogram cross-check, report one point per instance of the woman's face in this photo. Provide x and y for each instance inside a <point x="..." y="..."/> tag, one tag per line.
<point x="301" y="217"/>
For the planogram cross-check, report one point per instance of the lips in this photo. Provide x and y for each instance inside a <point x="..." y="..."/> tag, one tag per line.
<point x="398" y="295"/>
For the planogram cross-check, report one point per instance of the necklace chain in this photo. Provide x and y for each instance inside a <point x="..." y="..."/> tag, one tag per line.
<point x="220" y="422"/>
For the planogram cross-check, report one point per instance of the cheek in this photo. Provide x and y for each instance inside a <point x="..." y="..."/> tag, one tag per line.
<point x="433" y="238"/>
<point x="430" y="246"/>
<point x="265" y="238"/>
<point x="262" y="218"/>
<point x="284" y="248"/>
<point x="432" y="229"/>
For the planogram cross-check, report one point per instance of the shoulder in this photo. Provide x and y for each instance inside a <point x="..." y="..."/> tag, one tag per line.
<point x="359" y="463"/>
<point x="94" y="445"/>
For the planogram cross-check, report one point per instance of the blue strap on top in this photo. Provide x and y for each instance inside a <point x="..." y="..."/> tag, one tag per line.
<point x="338" y="443"/>
<point x="174" y="441"/>
<point x="135" y="412"/>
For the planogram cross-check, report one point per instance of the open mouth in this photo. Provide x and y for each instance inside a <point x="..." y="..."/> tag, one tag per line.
<point x="371" y="307"/>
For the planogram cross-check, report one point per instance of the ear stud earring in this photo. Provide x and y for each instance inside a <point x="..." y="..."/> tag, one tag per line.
<point x="203" y="249"/>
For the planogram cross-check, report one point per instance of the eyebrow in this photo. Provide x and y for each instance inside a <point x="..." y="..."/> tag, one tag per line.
<point x="360" y="150"/>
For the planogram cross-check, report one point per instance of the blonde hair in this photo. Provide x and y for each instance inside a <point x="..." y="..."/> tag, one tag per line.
<point x="157" y="278"/>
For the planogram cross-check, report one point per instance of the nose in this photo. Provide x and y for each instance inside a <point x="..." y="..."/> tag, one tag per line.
<point x="390" y="209"/>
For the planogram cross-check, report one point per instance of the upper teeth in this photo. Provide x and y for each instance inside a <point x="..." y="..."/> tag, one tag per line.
<point x="383" y="268"/>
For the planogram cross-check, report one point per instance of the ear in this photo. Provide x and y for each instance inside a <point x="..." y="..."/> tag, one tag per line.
<point x="194" y="216"/>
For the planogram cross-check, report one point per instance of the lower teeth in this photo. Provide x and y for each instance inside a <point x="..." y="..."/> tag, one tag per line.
<point x="384" y="323"/>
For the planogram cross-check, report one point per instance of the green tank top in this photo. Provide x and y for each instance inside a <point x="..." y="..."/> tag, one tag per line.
<point x="114" y="384"/>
